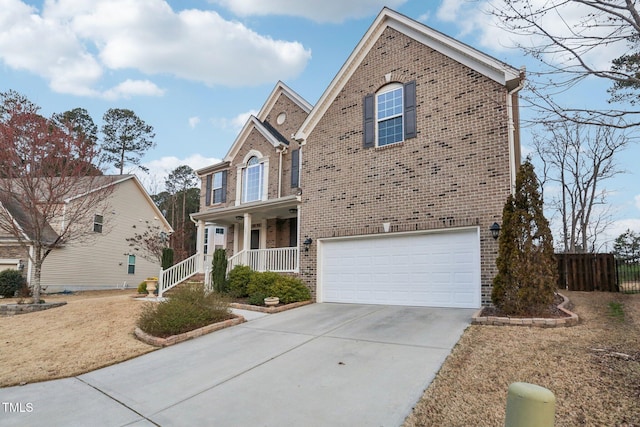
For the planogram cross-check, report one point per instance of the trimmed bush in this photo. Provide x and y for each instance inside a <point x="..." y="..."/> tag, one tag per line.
<point x="190" y="307"/>
<point x="167" y="258"/>
<point x="270" y="284"/>
<point x="262" y="283"/>
<point x="142" y="287"/>
<point x="257" y="298"/>
<point x="238" y="280"/>
<point x="290" y="289"/>
<point x="11" y="283"/>
<point x="219" y="270"/>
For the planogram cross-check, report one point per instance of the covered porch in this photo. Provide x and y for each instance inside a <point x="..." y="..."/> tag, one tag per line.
<point x="263" y="235"/>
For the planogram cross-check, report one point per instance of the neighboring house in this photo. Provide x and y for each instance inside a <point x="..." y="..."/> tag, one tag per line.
<point x="103" y="259"/>
<point x="383" y="192"/>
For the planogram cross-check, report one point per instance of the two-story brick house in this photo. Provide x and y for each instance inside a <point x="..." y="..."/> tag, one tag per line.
<point x="385" y="190"/>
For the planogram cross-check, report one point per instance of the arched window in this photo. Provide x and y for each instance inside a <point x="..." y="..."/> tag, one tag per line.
<point x="253" y="178"/>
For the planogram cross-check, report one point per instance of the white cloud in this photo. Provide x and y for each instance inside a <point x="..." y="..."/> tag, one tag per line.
<point x="72" y="42"/>
<point x="316" y="10"/>
<point x="637" y="200"/>
<point x="235" y="123"/>
<point x="616" y="229"/>
<point x="130" y="88"/>
<point x="193" y="122"/>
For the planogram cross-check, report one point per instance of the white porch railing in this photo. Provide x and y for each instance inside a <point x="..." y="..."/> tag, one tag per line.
<point x="281" y="260"/>
<point x="181" y="271"/>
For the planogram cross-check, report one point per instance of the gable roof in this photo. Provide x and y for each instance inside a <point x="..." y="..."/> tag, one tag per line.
<point x="24" y="221"/>
<point x="285" y="90"/>
<point x="84" y="187"/>
<point x="276" y="139"/>
<point x="259" y="122"/>
<point x="387" y="18"/>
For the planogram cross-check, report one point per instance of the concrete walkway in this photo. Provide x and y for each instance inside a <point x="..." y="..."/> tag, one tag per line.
<point x="317" y="365"/>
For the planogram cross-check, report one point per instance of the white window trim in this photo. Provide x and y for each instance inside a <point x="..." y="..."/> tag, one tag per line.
<point x="214" y="188"/>
<point x="240" y="185"/>
<point x="387" y="88"/>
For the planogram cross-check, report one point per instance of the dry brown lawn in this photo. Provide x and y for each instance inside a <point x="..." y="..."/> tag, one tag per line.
<point x="94" y="329"/>
<point x="593" y="369"/>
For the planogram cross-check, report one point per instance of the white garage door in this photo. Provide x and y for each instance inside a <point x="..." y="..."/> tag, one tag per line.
<point x="433" y="270"/>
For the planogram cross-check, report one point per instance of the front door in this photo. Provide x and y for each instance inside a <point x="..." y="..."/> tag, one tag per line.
<point x="255" y="239"/>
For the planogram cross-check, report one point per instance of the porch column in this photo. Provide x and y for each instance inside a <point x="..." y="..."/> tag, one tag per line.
<point x="200" y="230"/>
<point x="247" y="232"/>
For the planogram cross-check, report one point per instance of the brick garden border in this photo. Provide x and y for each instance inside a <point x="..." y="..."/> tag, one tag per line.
<point x="14" y="309"/>
<point x="572" y="319"/>
<point x="269" y="310"/>
<point x="175" y="339"/>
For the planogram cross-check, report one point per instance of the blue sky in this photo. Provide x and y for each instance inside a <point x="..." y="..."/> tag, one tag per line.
<point x="196" y="69"/>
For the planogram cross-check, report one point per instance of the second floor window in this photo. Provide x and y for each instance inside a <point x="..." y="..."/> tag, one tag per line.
<point x="217" y="188"/>
<point x="390" y="107"/>
<point x="252" y="180"/>
<point x="97" y="223"/>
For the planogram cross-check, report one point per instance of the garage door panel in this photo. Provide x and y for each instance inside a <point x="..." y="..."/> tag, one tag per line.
<point x="438" y="269"/>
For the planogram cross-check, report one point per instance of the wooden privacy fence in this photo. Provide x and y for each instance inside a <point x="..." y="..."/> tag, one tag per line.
<point x="587" y="272"/>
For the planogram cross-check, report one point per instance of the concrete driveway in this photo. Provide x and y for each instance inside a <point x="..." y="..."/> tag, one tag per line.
<point x="317" y="365"/>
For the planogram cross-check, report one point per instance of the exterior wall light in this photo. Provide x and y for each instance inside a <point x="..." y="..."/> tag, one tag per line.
<point x="495" y="230"/>
<point x="239" y="218"/>
<point x="307" y="242"/>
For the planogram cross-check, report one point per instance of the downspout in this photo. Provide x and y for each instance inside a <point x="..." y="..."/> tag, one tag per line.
<point x="281" y="151"/>
<point x="511" y="131"/>
<point x="301" y="144"/>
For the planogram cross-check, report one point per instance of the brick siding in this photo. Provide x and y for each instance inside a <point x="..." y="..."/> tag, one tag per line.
<point x="456" y="172"/>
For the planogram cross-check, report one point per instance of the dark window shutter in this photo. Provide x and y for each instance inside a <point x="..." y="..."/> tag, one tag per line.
<point x="223" y="197"/>
<point x="410" y="130"/>
<point x="295" y="168"/>
<point x="207" y="196"/>
<point x="369" y="121"/>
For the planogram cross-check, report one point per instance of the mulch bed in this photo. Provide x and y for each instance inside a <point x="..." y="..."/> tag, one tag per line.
<point x="552" y="311"/>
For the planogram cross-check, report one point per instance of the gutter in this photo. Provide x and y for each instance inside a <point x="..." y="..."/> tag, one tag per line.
<point x="511" y="130"/>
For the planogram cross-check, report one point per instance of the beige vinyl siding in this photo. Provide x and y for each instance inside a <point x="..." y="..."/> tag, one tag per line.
<point x="101" y="262"/>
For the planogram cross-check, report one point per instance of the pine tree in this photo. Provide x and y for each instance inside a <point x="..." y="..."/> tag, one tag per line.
<point x="527" y="271"/>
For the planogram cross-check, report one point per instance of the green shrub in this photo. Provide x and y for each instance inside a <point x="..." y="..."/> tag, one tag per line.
<point x="290" y="289"/>
<point x="190" y="307"/>
<point x="219" y="270"/>
<point x="239" y="278"/>
<point x="167" y="258"/>
<point x="527" y="269"/>
<point x="262" y="283"/>
<point x="270" y="284"/>
<point x="142" y="287"/>
<point x="257" y="298"/>
<point x="11" y="283"/>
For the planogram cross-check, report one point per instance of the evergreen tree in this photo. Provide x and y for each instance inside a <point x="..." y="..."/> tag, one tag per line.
<point x="627" y="246"/>
<point x="527" y="270"/>
<point x="219" y="270"/>
<point x="126" y="138"/>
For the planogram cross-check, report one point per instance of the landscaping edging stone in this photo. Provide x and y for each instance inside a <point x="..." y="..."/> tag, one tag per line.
<point x="13" y="309"/>
<point x="175" y="339"/>
<point x="269" y="310"/>
<point x="572" y="319"/>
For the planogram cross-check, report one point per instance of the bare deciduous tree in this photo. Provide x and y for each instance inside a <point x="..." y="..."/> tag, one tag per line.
<point x="577" y="159"/>
<point x="570" y="37"/>
<point x="49" y="191"/>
